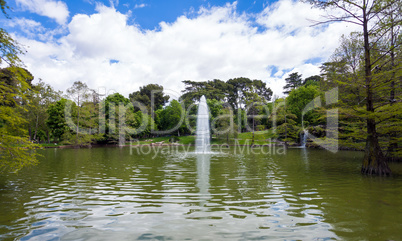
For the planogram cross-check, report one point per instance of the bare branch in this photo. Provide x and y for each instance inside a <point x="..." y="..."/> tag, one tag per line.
<point x="349" y="12"/>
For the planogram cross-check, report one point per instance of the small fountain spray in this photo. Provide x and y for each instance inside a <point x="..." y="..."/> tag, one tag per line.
<point x="303" y="138"/>
<point x="304" y="135"/>
<point x="202" y="142"/>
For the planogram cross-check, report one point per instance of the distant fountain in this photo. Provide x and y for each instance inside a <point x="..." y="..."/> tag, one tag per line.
<point x="303" y="139"/>
<point x="202" y="143"/>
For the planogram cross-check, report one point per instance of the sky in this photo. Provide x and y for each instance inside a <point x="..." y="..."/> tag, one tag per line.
<point x="121" y="45"/>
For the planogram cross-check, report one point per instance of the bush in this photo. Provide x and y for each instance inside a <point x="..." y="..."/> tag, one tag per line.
<point x="174" y="139"/>
<point x="260" y="127"/>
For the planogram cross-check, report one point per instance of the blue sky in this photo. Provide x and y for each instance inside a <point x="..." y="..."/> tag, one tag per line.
<point x="118" y="46"/>
<point x="147" y="13"/>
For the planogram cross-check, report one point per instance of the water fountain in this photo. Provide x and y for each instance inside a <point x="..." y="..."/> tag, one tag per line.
<point x="303" y="138"/>
<point x="202" y="142"/>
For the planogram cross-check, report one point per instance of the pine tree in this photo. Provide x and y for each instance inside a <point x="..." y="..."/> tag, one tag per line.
<point x="292" y="82"/>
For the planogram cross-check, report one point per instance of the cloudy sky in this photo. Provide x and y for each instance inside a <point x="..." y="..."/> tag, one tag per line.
<point x="118" y="46"/>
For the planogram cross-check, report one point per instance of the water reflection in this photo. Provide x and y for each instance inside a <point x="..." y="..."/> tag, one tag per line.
<point x="104" y="194"/>
<point x="304" y="155"/>
<point x="203" y="165"/>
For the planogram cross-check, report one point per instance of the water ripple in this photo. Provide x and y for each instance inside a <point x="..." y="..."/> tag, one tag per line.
<point x="144" y="198"/>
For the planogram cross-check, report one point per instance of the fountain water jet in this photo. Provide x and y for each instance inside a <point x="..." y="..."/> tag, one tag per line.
<point x="202" y="142"/>
<point x="303" y="138"/>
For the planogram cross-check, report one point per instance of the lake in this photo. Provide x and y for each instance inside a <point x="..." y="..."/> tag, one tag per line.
<point x="167" y="193"/>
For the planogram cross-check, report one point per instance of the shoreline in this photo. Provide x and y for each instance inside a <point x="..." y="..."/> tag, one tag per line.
<point x="177" y="144"/>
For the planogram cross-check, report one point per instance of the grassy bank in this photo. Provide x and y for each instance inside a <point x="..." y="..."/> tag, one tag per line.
<point x="260" y="138"/>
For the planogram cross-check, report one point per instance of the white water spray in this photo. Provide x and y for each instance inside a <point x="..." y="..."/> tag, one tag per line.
<point x="202" y="143"/>
<point x="304" y="138"/>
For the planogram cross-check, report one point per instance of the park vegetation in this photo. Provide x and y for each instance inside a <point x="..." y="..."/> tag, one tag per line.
<point x="364" y="72"/>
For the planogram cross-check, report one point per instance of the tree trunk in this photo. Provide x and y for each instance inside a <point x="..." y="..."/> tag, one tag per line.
<point x="78" y="119"/>
<point x="36" y="127"/>
<point x="373" y="162"/>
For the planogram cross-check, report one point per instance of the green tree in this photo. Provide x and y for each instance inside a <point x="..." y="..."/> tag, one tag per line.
<point x="284" y="122"/>
<point x="313" y="80"/>
<point x="214" y="107"/>
<point x="112" y="105"/>
<point x="149" y="95"/>
<point x="292" y="82"/>
<point x="239" y="90"/>
<point x="223" y="125"/>
<point x="172" y="118"/>
<point x="16" y="149"/>
<point x="260" y="88"/>
<point x="56" y="120"/>
<point x="39" y="99"/>
<point x="298" y="100"/>
<point x="79" y="93"/>
<point x="142" y="124"/>
<point x="369" y="15"/>
<point x="212" y="89"/>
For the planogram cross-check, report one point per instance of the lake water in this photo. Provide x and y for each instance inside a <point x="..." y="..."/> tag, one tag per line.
<point x="163" y="194"/>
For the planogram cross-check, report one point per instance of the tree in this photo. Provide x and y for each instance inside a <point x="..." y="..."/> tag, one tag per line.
<point x="239" y="88"/>
<point x="260" y="88"/>
<point x="292" y="82"/>
<point x="79" y="92"/>
<point x="39" y="99"/>
<point x="112" y="114"/>
<point x="298" y="100"/>
<point x="212" y="89"/>
<point x="151" y="96"/>
<point x="223" y="125"/>
<point x="56" y="120"/>
<point x="368" y="15"/>
<point x="16" y="149"/>
<point x="313" y="80"/>
<point x="141" y="123"/>
<point x="284" y="122"/>
<point x="172" y="118"/>
<point x="237" y="92"/>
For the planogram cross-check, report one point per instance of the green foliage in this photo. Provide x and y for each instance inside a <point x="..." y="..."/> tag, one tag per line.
<point x="174" y="139"/>
<point x="145" y="95"/>
<point x="285" y="128"/>
<point x="298" y="100"/>
<point x="56" y="120"/>
<point x="4" y="7"/>
<point x="16" y="149"/>
<point x="111" y="107"/>
<point x="214" y="107"/>
<point x="171" y="119"/>
<point x="147" y="121"/>
<point x="212" y="89"/>
<point x="223" y="126"/>
<point x="40" y="97"/>
<point x="313" y="80"/>
<point x="235" y="91"/>
<point x="292" y="82"/>
<point x="9" y="49"/>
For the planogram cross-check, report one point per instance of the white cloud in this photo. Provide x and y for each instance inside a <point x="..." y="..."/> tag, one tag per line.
<point x="56" y="10"/>
<point x="142" y="5"/>
<point x="29" y="27"/>
<point x="217" y="43"/>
